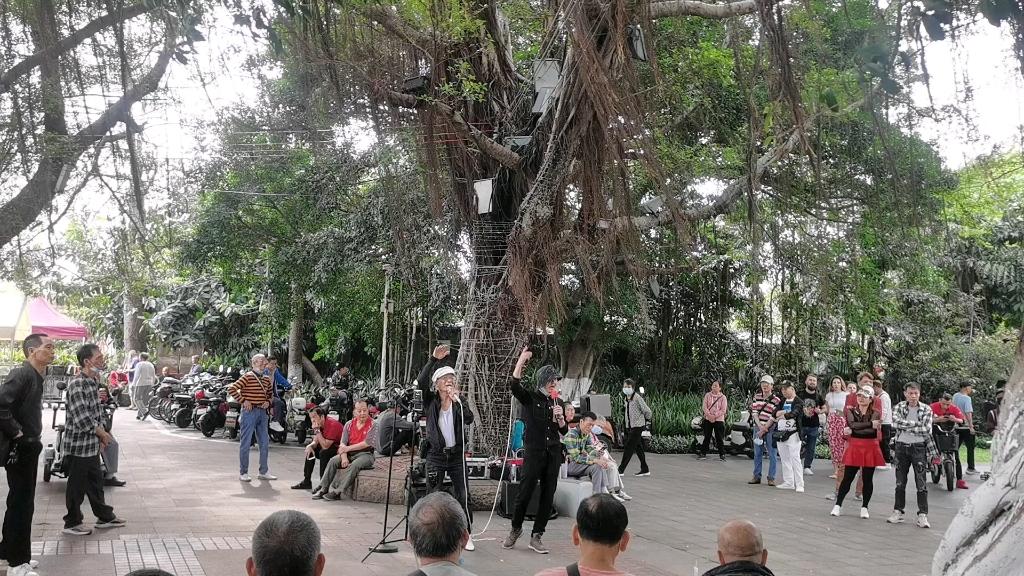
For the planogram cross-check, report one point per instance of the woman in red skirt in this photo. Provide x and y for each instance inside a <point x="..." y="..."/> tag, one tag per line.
<point x="836" y="400"/>
<point x="863" y="426"/>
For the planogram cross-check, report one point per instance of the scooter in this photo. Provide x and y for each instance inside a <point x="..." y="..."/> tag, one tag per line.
<point x="53" y="458"/>
<point x="738" y="441"/>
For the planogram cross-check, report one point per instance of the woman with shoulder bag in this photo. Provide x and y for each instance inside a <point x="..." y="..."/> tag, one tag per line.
<point x="715" y="407"/>
<point x="863" y="454"/>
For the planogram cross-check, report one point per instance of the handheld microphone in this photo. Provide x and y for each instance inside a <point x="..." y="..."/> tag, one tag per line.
<point x="554" y="396"/>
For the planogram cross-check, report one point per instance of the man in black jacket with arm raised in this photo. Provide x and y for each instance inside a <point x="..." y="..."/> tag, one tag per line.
<point x="542" y="445"/>
<point x="447" y="418"/>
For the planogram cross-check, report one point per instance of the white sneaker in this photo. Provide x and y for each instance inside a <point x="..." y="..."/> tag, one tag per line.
<point x="799" y="489"/>
<point x="837" y="510"/>
<point x="80" y="530"/>
<point x="267" y="476"/>
<point x="23" y="570"/>
<point x="896" y="518"/>
<point x="276" y="427"/>
<point x="785" y="486"/>
<point x="469" y="545"/>
<point x="624" y="496"/>
<point x="864" y="513"/>
<point x="808" y="472"/>
<point x="244" y="478"/>
<point x="618" y="497"/>
<point x="922" y="521"/>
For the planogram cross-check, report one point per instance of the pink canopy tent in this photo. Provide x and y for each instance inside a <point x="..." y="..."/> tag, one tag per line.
<point x="46" y="319"/>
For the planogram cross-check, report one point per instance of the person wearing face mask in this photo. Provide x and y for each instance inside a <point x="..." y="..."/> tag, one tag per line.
<point x="637" y="414"/>
<point x="447" y="422"/>
<point x="545" y="422"/>
<point x="584" y="459"/>
<point x="84" y="439"/>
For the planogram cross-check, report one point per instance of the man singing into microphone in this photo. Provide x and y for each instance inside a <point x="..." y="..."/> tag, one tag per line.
<point x="542" y="413"/>
<point x="446" y="435"/>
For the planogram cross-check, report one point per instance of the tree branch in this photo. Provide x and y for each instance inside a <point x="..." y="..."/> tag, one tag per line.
<point x="464" y="129"/>
<point x="392" y="22"/>
<point x="22" y="68"/>
<point x="726" y="201"/>
<point x="55" y="165"/>
<point x="677" y="8"/>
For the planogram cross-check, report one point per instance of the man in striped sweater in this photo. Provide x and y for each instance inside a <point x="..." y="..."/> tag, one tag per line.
<point x="255" y="391"/>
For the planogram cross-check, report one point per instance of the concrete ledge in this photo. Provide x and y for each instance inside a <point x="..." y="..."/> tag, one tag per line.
<point x="569" y="493"/>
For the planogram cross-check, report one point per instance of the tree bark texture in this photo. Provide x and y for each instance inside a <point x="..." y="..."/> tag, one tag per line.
<point x="985" y="538"/>
<point x="295" y="337"/>
<point x="579" y="362"/>
<point x="134" y="338"/>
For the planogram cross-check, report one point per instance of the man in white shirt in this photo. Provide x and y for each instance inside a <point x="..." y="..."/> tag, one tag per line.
<point x="142" y="386"/>
<point x="886" y="441"/>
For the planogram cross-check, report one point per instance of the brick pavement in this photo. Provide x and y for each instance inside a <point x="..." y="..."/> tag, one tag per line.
<point x="188" y="514"/>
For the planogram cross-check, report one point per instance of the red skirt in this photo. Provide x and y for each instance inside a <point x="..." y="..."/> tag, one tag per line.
<point x="863" y="453"/>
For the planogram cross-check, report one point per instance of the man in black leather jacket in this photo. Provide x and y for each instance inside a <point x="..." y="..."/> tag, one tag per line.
<point x="740" y="551"/>
<point x="447" y="419"/>
<point x="21" y="422"/>
<point x="545" y="422"/>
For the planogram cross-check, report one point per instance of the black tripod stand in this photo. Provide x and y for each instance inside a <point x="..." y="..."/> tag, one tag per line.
<point x="385" y="546"/>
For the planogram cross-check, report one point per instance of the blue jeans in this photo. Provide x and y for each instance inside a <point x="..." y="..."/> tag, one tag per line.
<point x="810" y="442"/>
<point x="254" y="421"/>
<point x="773" y="459"/>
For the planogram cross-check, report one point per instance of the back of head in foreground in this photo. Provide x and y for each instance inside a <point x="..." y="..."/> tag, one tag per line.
<point x="437" y="529"/>
<point x="600" y="532"/>
<point x="286" y="543"/>
<point x="741" y="551"/>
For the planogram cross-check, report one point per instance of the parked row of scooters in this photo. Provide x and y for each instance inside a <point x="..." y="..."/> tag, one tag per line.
<point x="202" y="402"/>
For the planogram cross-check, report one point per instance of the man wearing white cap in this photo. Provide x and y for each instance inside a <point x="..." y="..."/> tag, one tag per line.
<point x="447" y="419"/>
<point x="762" y="412"/>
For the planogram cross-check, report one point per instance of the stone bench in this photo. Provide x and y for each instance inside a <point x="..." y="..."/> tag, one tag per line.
<point x="372" y="485"/>
<point x="569" y="493"/>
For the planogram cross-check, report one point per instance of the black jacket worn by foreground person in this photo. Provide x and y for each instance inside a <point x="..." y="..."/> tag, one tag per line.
<point x="741" y="568"/>
<point x="543" y="452"/>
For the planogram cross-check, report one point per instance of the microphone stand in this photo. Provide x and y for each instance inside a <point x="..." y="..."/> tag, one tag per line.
<point x="385" y="546"/>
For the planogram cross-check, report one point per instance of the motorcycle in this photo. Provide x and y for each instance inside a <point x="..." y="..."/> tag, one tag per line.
<point x="232" y="422"/>
<point x="211" y="413"/>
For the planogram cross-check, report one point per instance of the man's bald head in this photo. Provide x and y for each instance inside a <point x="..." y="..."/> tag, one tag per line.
<point x="739" y="540"/>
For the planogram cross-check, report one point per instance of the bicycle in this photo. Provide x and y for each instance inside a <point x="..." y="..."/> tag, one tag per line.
<point x="948" y="444"/>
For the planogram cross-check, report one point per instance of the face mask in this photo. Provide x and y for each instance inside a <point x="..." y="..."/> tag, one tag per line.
<point x="597" y="430"/>
<point x="627" y="391"/>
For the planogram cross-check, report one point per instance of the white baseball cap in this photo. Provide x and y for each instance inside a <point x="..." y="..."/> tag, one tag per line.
<point x="442" y="372"/>
<point x="767" y="378"/>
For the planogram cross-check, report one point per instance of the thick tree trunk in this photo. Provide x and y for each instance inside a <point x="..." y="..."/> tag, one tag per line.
<point x="133" y="327"/>
<point x="295" y="334"/>
<point x="310" y="369"/>
<point x="984" y="538"/>
<point x="579" y="362"/>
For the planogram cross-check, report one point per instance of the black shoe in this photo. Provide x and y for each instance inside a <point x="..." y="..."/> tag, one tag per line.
<point x="113" y="481"/>
<point x="304" y="485"/>
<point x="144" y="416"/>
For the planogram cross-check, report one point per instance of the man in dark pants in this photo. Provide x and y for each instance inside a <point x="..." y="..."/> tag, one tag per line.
<point x="447" y="418"/>
<point x="810" y="424"/>
<point x="327" y="434"/>
<point x="84" y="439"/>
<point x="391" y="424"/>
<point x="542" y="443"/>
<point x="21" y="421"/>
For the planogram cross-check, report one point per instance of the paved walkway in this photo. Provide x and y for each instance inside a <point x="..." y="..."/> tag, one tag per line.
<point x="188" y="513"/>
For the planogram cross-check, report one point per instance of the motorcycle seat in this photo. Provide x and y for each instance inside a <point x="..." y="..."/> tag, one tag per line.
<point x="234" y="405"/>
<point x="204" y="402"/>
<point x="182" y="396"/>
